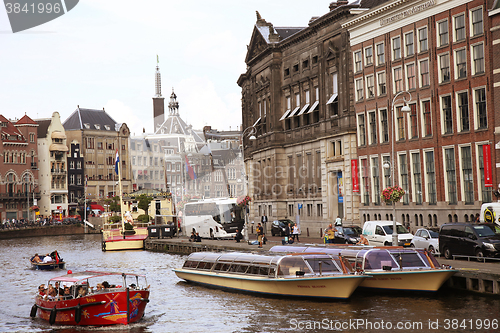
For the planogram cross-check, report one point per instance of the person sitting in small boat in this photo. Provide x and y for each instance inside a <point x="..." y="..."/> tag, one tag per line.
<point x="362" y="240"/>
<point x="238" y="236"/>
<point x="36" y="259"/>
<point x="67" y="293"/>
<point x="55" y="256"/>
<point x="52" y="293"/>
<point x="81" y="292"/>
<point x="198" y="238"/>
<point x="47" y="259"/>
<point x="59" y="290"/>
<point x="106" y="285"/>
<point x="42" y="290"/>
<point x="133" y="286"/>
<point x="99" y="288"/>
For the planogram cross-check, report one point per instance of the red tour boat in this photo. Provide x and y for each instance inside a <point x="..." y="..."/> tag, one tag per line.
<point x="92" y="298"/>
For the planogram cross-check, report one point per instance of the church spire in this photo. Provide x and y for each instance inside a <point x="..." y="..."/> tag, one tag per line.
<point x="157" y="78"/>
<point x="173" y="106"/>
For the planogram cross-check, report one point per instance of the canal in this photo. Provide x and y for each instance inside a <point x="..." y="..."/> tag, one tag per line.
<point x="176" y="306"/>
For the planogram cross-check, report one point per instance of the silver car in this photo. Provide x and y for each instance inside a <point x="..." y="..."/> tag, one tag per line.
<point x="426" y="239"/>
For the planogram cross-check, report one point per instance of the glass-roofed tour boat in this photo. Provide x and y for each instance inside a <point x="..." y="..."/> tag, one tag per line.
<point x="390" y="268"/>
<point x="290" y="275"/>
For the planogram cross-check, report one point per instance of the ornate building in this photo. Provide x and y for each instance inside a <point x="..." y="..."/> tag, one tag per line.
<point x="18" y="172"/>
<point x="296" y="100"/>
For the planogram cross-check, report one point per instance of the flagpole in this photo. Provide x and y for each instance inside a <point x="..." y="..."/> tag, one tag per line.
<point x="121" y="192"/>
<point x="85" y="206"/>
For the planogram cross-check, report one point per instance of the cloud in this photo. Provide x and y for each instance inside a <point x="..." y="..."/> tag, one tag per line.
<point x="121" y="112"/>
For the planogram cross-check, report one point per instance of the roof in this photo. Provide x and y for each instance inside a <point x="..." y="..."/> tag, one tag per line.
<point x="43" y="127"/>
<point x="90" y="119"/>
<point x="10" y="133"/>
<point x="25" y="120"/>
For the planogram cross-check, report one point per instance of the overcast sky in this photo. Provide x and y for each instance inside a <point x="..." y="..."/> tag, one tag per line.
<point x="102" y="54"/>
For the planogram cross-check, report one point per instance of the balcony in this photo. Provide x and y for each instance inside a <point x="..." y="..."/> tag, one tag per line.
<point x="57" y="172"/>
<point x="19" y="195"/>
<point x="33" y="166"/>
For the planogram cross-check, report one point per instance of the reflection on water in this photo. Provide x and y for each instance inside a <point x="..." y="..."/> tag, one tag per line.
<point x="177" y="306"/>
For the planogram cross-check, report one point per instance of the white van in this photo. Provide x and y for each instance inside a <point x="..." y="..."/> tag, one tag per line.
<point x="379" y="233"/>
<point x="490" y="213"/>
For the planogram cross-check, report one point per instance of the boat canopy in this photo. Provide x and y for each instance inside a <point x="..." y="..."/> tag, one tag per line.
<point x="81" y="276"/>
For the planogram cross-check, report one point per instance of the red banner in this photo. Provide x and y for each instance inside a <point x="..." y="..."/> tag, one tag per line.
<point x="488" y="182"/>
<point x="355" y="179"/>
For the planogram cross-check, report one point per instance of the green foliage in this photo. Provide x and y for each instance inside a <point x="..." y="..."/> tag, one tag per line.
<point x="114" y="203"/>
<point x="143" y="202"/>
<point x="113" y="219"/>
<point x="144" y="218"/>
<point x="129" y="226"/>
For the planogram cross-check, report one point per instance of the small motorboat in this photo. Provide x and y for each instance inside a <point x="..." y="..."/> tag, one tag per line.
<point x="314" y="275"/>
<point x="390" y="268"/>
<point x="92" y="298"/>
<point x="47" y="262"/>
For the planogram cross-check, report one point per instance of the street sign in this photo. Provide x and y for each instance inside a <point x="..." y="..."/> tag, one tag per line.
<point x="300" y="206"/>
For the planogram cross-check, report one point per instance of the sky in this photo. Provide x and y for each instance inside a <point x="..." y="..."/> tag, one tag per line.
<point x="102" y="54"/>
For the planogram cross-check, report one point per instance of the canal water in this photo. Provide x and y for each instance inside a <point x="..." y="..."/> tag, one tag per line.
<point x="176" y="306"/>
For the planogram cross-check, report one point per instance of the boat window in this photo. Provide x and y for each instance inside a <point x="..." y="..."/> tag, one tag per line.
<point x="408" y="259"/>
<point x="323" y="265"/>
<point x="272" y="272"/>
<point x="377" y="259"/>
<point x="238" y="268"/>
<point x="291" y="265"/>
<point x="253" y="270"/>
<point x="190" y="264"/>
<point x="205" y="265"/>
<point x="263" y="271"/>
<point x="221" y="267"/>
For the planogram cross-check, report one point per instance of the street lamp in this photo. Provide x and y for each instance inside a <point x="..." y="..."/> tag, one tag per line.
<point x="405" y="108"/>
<point x="251" y="136"/>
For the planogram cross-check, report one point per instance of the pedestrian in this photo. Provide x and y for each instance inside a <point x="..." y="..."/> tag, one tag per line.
<point x="263" y="220"/>
<point x="260" y="234"/>
<point x="287" y="232"/>
<point x="338" y="221"/>
<point x="238" y="237"/>
<point x="476" y="219"/>
<point x="330" y="234"/>
<point x="295" y="233"/>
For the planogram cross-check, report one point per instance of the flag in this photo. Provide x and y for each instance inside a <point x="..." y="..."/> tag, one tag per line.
<point x="189" y="169"/>
<point x="117" y="160"/>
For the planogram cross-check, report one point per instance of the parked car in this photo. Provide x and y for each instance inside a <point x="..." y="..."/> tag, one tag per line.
<point x="426" y="239"/>
<point x="469" y="239"/>
<point x="278" y="227"/>
<point x="347" y="234"/>
<point x="379" y="233"/>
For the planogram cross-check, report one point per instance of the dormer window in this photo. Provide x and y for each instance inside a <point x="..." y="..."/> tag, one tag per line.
<point x="107" y="127"/>
<point x="97" y="126"/>
<point x="87" y="125"/>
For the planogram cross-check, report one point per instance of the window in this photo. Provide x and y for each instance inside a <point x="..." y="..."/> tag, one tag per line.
<point x="286" y="72"/>
<point x="410" y="75"/>
<point x="384" y="128"/>
<point x="369" y="56"/>
<point x="400" y="122"/>
<point x="424" y="73"/>
<point x="357" y="61"/>
<point x="403" y="168"/>
<point x="376" y="181"/>
<point x="467" y="178"/>
<point x="447" y="116"/>
<point x="386" y="160"/>
<point x="305" y="64"/>
<point x="380" y="54"/>
<point x="444" y="65"/>
<point x="396" y="48"/>
<point x="480" y="108"/>
<point x="461" y="60"/>
<point x="359" y="89"/>
<point x="459" y="27"/>
<point x="477" y="21"/>
<point x="443" y="33"/>
<point x="463" y="109"/>
<point x="426" y="109"/>
<point x="373" y="128"/>
<point x="398" y="80"/>
<point x="315" y="60"/>
<point x="381" y="83"/>
<point x="361" y="130"/>
<point x="451" y="178"/>
<point x="422" y="39"/>
<point x="370" y="89"/>
<point x="365" y="182"/>
<point x="409" y="44"/>
<point x="295" y="68"/>
<point x="431" y="177"/>
<point x="413" y="121"/>
<point x="478" y="58"/>
<point x="417" y="178"/>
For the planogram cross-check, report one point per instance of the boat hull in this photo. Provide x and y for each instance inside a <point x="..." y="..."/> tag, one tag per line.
<point x="96" y="309"/>
<point x="48" y="266"/>
<point x="425" y="280"/>
<point x="327" y="286"/>
<point x="113" y="240"/>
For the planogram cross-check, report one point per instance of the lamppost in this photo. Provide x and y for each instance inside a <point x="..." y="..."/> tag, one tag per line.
<point x="251" y="136"/>
<point x="405" y="108"/>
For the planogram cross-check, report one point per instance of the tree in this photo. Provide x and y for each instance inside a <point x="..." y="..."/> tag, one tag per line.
<point x="114" y="204"/>
<point x="143" y="202"/>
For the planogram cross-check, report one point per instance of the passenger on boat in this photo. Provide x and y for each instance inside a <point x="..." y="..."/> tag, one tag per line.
<point x="362" y="240"/>
<point x="238" y="236"/>
<point x="47" y="259"/>
<point x="67" y="293"/>
<point x="58" y="289"/>
<point x="133" y="286"/>
<point x="198" y="238"/>
<point x="52" y="293"/>
<point x="55" y="256"/>
<point x="106" y="285"/>
<point x="81" y="292"/>
<point x="42" y="291"/>
<point x="99" y="288"/>
<point x="36" y="259"/>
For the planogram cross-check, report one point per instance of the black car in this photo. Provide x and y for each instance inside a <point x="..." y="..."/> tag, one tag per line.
<point x="469" y="239"/>
<point x="278" y="227"/>
<point x="348" y="234"/>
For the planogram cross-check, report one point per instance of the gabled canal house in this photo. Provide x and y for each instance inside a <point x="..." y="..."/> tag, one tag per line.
<point x="437" y="52"/>
<point x="296" y="100"/>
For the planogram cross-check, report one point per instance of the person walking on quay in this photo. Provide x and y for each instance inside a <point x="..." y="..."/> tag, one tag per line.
<point x="295" y="233"/>
<point x="263" y="220"/>
<point x="260" y="234"/>
<point x="287" y="232"/>
<point x="338" y="221"/>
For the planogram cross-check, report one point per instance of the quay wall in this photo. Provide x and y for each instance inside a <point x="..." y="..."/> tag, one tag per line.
<point x="483" y="278"/>
<point x="55" y="230"/>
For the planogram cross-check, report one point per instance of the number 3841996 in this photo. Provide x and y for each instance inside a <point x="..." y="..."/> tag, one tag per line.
<point x="39" y="8"/>
<point x="474" y="324"/>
